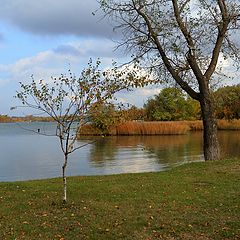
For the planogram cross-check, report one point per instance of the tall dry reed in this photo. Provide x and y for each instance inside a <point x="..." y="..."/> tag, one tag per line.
<point x="151" y="128"/>
<point x="158" y="128"/>
<point x="193" y="125"/>
<point x="233" y="124"/>
<point x="222" y="124"/>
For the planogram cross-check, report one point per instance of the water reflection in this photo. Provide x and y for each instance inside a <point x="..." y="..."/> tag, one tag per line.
<point x="157" y="152"/>
<point x="25" y="155"/>
<point x="229" y="143"/>
<point x="102" y="151"/>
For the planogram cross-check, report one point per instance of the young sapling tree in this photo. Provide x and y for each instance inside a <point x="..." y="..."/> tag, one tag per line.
<point x="68" y="100"/>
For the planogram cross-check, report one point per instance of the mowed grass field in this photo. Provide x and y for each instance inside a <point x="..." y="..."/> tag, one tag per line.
<point x="192" y="201"/>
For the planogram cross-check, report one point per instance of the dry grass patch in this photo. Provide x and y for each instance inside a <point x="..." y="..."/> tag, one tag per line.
<point x="158" y="127"/>
<point x="151" y="128"/>
<point x="233" y="124"/>
<point x="194" y="125"/>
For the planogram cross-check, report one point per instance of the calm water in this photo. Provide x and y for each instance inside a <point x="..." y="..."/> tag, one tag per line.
<point x="25" y="155"/>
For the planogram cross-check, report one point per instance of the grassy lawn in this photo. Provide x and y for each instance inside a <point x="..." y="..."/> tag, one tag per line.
<point x="193" y="201"/>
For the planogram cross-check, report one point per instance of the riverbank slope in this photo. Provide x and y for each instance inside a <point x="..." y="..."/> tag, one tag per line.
<point x="192" y="201"/>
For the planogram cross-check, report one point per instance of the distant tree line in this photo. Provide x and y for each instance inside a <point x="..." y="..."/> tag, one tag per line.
<point x="28" y="118"/>
<point x="228" y="102"/>
<point x="171" y="104"/>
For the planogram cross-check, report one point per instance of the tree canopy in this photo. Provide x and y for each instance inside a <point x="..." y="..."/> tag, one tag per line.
<point x="171" y="104"/>
<point x="228" y="102"/>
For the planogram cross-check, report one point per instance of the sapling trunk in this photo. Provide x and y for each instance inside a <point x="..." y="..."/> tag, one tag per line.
<point x="64" y="179"/>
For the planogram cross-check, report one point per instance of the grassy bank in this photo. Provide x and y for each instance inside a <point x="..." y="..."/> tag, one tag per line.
<point x="159" y="128"/>
<point x="194" y="201"/>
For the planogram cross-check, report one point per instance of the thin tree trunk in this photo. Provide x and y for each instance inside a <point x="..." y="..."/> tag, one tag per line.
<point x="64" y="180"/>
<point x="210" y="146"/>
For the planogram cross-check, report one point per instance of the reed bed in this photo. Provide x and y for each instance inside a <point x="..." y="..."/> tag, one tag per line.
<point x="151" y="128"/>
<point x="158" y="128"/>
<point x="193" y="125"/>
<point x="222" y="124"/>
<point x="229" y="124"/>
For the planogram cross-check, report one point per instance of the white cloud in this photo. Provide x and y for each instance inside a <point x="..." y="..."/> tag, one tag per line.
<point x="229" y="74"/>
<point x="149" y="92"/>
<point x="50" y="63"/>
<point x="58" y="60"/>
<point x="224" y="62"/>
<point x="138" y="96"/>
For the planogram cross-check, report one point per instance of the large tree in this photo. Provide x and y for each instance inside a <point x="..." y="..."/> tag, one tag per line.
<point x="182" y="40"/>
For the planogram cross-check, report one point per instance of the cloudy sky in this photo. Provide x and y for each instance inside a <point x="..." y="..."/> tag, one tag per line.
<point x="43" y="38"/>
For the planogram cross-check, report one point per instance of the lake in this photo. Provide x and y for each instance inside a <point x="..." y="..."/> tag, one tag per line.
<point x="26" y="155"/>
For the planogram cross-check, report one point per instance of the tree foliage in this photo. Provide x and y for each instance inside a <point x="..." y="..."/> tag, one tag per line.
<point x="134" y="113"/>
<point x="104" y="116"/>
<point x="172" y="104"/>
<point x="228" y="102"/>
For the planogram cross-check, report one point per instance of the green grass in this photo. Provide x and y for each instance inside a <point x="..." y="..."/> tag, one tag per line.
<point x="193" y="201"/>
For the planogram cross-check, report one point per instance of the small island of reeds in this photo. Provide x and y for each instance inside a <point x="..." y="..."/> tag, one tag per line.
<point x="157" y="127"/>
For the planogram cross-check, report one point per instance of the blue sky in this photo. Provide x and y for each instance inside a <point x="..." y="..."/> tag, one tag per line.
<point x="42" y="38"/>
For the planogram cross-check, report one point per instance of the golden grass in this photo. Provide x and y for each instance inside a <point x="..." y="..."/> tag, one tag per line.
<point x="222" y="124"/>
<point x="193" y="125"/>
<point x="30" y="118"/>
<point x="151" y="128"/>
<point x="229" y="124"/>
<point x="159" y="128"/>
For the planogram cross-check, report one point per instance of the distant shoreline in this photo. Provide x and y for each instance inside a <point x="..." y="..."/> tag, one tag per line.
<point x="136" y="127"/>
<point x="30" y="118"/>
